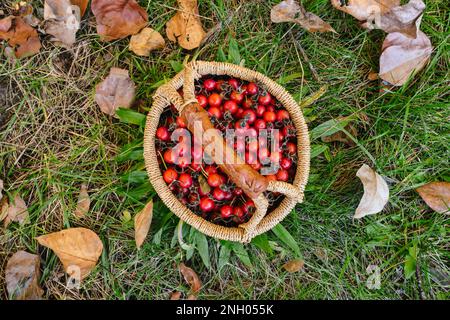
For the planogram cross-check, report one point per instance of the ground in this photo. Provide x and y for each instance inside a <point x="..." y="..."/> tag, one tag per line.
<point x="53" y="138"/>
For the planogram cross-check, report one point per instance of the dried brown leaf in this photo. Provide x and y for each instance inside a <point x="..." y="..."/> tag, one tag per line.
<point x="77" y="248"/>
<point x="146" y="41"/>
<point x="1" y="189"/>
<point x="203" y="184"/>
<point x="176" y="295"/>
<point x="62" y="21"/>
<point x="191" y="278"/>
<point x="118" y="19"/>
<point x="364" y="10"/>
<point x="142" y="222"/>
<point x="4" y="206"/>
<point x="436" y="195"/>
<point x="117" y="90"/>
<point x="84" y="202"/>
<point x="22" y="276"/>
<point x="17" y="211"/>
<point x="22" y="38"/>
<point x="292" y="11"/>
<point x="372" y="76"/>
<point x="403" y="56"/>
<point x="341" y="136"/>
<point x="82" y="4"/>
<point x="376" y="192"/>
<point x="294" y="265"/>
<point x="186" y="27"/>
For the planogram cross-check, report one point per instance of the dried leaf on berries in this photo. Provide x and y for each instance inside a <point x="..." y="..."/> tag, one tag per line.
<point x="191" y="278"/>
<point x="62" y="21"/>
<point x="118" y="19"/>
<point x="146" y="41"/>
<point x="84" y="202"/>
<point x="185" y="26"/>
<point x="403" y="56"/>
<point x="292" y="11"/>
<point x="142" y="222"/>
<point x="17" y="211"/>
<point x="376" y="192"/>
<point x="117" y="90"/>
<point x="22" y="276"/>
<point x="77" y="248"/>
<point x="203" y="184"/>
<point x="21" y="37"/>
<point x="436" y="195"/>
<point x="294" y="265"/>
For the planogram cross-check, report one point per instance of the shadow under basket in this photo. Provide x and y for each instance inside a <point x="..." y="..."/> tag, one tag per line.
<point x="253" y="184"/>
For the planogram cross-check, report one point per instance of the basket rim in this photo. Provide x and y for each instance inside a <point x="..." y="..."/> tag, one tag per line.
<point x="164" y="97"/>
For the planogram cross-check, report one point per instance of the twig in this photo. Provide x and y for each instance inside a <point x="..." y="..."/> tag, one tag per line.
<point x="302" y="51"/>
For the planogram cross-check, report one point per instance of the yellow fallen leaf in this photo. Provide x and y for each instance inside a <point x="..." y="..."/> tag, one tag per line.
<point x="77" y="248"/>
<point x="436" y="195"/>
<point x="84" y="202"/>
<point x="294" y="265"/>
<point x="146" y="41"/>
<point x="376" y="192"/>
<point x="142" y="222"/>
<point x="186" y="27"/>
<point x="22" y="276"/>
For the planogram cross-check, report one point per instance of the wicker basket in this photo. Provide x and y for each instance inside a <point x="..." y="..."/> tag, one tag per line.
<point x="260" y="221"/>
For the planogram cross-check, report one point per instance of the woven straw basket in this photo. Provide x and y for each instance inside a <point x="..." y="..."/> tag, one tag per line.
<point x="260" y="221"/>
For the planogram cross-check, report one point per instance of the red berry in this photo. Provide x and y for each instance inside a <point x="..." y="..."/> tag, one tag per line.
<point x="282" y="115"/>
<point x="163" y="134"/>
<point x="238" y="212"/>
<point x="263" y="154"/>
<point x="270" y="108"/>
<point x="185" y="180"/>
<point x="215" y="100"/>
<point x="282" y="175"/>
<point x="215" y="180"/>
<point x="238" y="191"/>
<point x="269" y="116"/>
<point x="197" y="154"/>
<point x="259" y="124"/>
<point x="249" y="115"/>
<point x="234" y="83"/>
<point x="250" y="157"/>
<point x="210" y="169"/>
<point x="265" y="100"/>
<point x="275" y="157"/>
<point x="207" y="204"/>
<point x="215" y="112"/>
<point x="248" y="205"/>
<point x="288" y="131"/>
<point x="181" y="123"/>
<point x="209" y="84"/>
<point x="219" y="85"/>
<point x="252" y="88"/>
<point x="196" y="167"/>
<point x="237" y="97"/>
<point x="219" y="194"/>
<point x="291" y="148"/>
<point x="239" y="113"/>
<point x="260" y="110"/>
<point x="247" y="103"/>
<point x="202" y="100"/>
<point x="169" y="156"/>
<point x="226" y="211"/>
<point x="170" y="175"/>
<point x="286" y="163"/>
<point x="230" y="106"/>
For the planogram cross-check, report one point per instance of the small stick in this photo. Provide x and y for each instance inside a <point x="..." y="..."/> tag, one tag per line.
<point x="302" y="51"/>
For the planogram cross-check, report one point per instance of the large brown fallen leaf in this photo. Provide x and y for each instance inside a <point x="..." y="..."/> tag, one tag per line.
<point x="402" y="56"/>
<point x="386" y="15"/>
<point x="117" y="90"/>
<point x="376" y="192"/>
<point x="142" y="222"/>
<point x="62" y="21"/>
<point x="146" y="41"/>
<point x="77" y="248"/>
<point x="185" y="26"/>
<point x="82" y="4"/>
<point x="294" y="265"/>
<point x="22" y="276"/>
<point x="436" y="195"/>
<point x="191" y="278"/>
<point x="21" y="37"/>
<point x="17" y="211"/>
<point x="84" y="202"/>
<point x="118" y="19"/>
<point x="292" y="11"/>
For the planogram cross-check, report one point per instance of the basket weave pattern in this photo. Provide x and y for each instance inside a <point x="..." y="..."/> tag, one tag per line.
<point x="260" y="221"/>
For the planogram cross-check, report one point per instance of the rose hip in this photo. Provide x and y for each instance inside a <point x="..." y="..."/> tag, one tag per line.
<point x="185" y="180"/>
<point x="170" y="175"/>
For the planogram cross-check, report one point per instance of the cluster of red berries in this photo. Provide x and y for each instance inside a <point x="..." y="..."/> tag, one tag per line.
<point x="231" y="104"/>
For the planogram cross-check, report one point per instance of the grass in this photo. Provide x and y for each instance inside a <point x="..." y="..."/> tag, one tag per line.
<point x="53" y="138"/>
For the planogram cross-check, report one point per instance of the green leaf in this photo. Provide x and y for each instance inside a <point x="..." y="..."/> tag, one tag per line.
<point x="157" y="237"/>
<point x="287" y="238"/>
<point x="130" y="116"/>
<point x="221" y="55"/>
<point x="224" y="255"/>
<point x="143" y="191"/>
<point x="136" y="177"/>
<point x="242" y="254"/>
<point x="201" y="244"/>
<point x="318" y="149"/>
<point x="411" y="261"/>
<point x="176" y="66"/>
<point x="329" y="127"/>
<point x="234" y="56"/>
<point x="262" y="242"/>
<point x="288" y="78"/>
<point x="131" y="151"/>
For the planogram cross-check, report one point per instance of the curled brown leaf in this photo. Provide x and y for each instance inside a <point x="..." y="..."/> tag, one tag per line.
<point x="117" y="90"/>
<point x="436" y="195"/>
<point x="62" y="21"/>
<point x="17" y="211"/>
<point x="22" y="276"/>
<point x="176" y="295"/>
<point x="84" y="202"/>
<point x="185" y="27"/>
<point x="142" y="222"/>
<point x="146" y="41"/>
<point x="22" y="38"/>
<point x="191" y="278"/>
<point x="294" y="265"/>
<point x="118" y="19"/>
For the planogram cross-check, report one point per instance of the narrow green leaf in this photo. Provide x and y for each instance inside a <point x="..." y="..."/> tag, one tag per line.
<point x="136" y="177"/>
<point x="130" y="116"/>
<point x="262" y="242"/>
<point x="317" y="149"/>
<point x="201" y="244"/>
<point x="234" y="56"/>
<point x="242" y="254"/>
<point x="224" y="256"/>
<point x="221" y="57"/>
<point x="411" y="261"/>
<point x="176" y="66"/>
<point x="288" y="78"/>
<point x="329" y="127"/>
<point x="287" y="238"/>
